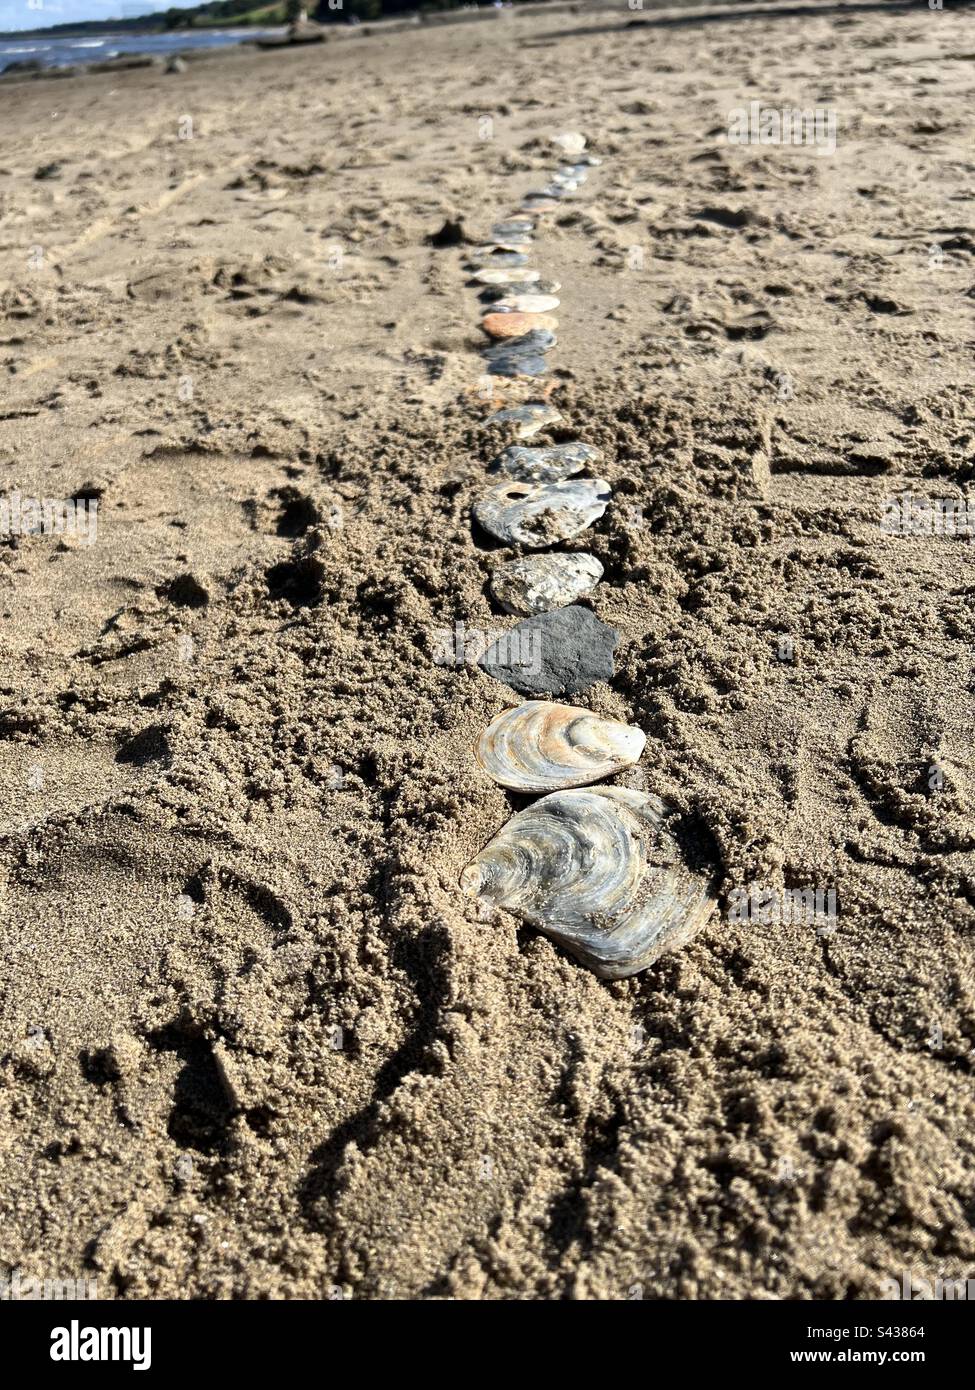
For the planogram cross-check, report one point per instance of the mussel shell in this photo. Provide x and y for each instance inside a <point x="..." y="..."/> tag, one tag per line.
<point x="541" y="746"/>
<point x="540" y="514"/>
<point x="497" y="275"/>
<point x="598" y="871"/>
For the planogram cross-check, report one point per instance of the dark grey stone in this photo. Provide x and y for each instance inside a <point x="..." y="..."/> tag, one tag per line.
<point x="503" y="259"/>
<point x="559" y="653"/>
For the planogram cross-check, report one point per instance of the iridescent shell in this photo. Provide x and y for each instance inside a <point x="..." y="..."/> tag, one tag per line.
<point x="539" y="746"/>
<point x="599" y="872"/>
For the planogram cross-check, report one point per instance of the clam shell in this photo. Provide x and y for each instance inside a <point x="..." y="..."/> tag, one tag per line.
<point x="540" y="746"/>
<point x="598" y="871"/>
<point x="528" y="303"/>
<point x="537" y="583"/>
<point x="540" y="514"/>
<point x="494" y="275"/>
<point x="513" y="325"/>
<point x="546" y="465"/>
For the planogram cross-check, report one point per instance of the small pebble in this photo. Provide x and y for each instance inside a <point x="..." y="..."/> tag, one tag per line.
<point x="514" y="325"/>
<point x="557" y="653"/>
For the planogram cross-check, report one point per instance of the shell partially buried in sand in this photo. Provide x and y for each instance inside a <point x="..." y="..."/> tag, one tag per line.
<point x="536" y="583"/>
<point x="540" y="746"/>
<point x="528" y="303"/>
<point x="540" y="514"/>
<point x="544" y="465"/>
<point x="597" y="871"/>
<point x="516" y="275"/>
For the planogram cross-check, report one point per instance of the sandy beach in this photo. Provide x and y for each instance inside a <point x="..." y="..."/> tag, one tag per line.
<point x="255" y="1043"/>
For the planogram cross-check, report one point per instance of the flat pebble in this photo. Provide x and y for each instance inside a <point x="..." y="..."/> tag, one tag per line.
<point x="513" y="325"/>
<point x="498" y="258"/>
<point x="501" y="291"/>
<point x="540" y="583"/>
<point x="557" y="653"/>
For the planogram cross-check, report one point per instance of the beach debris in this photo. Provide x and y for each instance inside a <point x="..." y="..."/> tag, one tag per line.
<point x="528" y="419"/>
<point x="536" y="202"/>
<point x="571" y="141"/>
<point x="540" y="583"/>
<point x="520" y="356"/>
<point x="529" y="303"/>
<point x="176" y="64"/>
<point x="537" y="515"/>
<point x="507" y="259"/>
<point x="496" y="276"/>
<point x="540" y="746"/>
<point x="490" y="293"/>
<point x="517" y="226"/>
<point x="508" y="324"/>
<point x="599" y="871"/>
<point x="558" y="653"/>
<point x="544" y="465"/>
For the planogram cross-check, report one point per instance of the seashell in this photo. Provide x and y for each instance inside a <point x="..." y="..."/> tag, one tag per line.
<point x="540" y="514"/>
<point x="526" y="420"/>
<point x="540" y="583"/>
<point x="514" y="276"/>
<point x="537" y="202"/>
<point x="515" y="364"/>
<point x="491" y="293"/>
<point x="556" y="190"/>
<point x="548" y="465"/>
<point x="529" y="303"/>
<point x="539" y="746"/>
<point x="571" y="141"/>
<point x="600" y="873"/>
<point x="517" y="226"/>
<point x="507" y="259"/>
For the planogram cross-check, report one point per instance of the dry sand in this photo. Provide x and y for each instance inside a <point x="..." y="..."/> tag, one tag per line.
<point x="254" y="1042"/>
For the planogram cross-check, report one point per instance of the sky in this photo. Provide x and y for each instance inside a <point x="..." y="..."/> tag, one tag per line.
<point x="37" y="14"/>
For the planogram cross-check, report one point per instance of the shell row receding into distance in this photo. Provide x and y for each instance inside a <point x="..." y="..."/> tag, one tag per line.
<point x="596" y="870"/>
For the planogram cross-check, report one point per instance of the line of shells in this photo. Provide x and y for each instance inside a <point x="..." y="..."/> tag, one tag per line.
<point x="596" y="869"/>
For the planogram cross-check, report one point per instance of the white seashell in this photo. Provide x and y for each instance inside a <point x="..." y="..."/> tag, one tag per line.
<point x="539" y="746"/>
<point x="517" y="275"/>
<point x="598" y="872"/>
<point x="534" y="584"/>
<point x="571" y="141"/>
<point x="540" y="514"/>
<point x="526" y="303"/>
